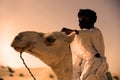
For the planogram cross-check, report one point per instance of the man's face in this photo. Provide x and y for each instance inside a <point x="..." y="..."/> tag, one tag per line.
<point x="83" y="22"/>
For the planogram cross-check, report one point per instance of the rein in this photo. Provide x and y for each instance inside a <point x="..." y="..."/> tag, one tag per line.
<point x="26" y="65"/>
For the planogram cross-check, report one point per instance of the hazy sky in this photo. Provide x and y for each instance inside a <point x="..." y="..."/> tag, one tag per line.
<point x="51" y="15"/>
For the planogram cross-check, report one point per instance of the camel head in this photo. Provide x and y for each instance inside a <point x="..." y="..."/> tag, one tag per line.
<point x="52" y="48"/>
<point x="29" y="40"/>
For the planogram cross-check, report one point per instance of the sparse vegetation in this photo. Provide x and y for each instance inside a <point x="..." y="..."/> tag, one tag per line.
<point x="116" y="78"/>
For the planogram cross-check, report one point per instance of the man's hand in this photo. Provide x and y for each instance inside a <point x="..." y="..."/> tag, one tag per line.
<point x="68" y="31"/>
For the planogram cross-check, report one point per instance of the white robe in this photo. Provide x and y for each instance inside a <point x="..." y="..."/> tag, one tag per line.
<point x="84" y="47"/>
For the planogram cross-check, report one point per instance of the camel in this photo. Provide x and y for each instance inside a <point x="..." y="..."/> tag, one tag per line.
<point x="52" y="48"/>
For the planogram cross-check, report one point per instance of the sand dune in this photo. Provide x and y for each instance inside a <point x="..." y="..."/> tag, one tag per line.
<point x="7" y="73"/>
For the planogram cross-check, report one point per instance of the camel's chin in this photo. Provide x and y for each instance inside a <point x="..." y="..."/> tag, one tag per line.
<point x="19" y="49"/>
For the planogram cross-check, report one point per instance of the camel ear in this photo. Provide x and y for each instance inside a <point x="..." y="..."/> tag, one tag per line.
<point x="70" y="37"/>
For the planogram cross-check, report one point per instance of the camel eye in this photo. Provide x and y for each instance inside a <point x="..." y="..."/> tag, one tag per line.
<point x="50" y="39"/>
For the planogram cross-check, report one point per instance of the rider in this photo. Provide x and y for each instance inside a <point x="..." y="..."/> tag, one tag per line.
<point x="88" y="45"/>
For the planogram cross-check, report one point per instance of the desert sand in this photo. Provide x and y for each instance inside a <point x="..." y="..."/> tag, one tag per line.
<point x="8" y="73"/>
<point x="43" y="73"/>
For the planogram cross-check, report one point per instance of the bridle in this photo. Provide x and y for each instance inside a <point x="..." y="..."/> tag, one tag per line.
<point x="26" y="65"/>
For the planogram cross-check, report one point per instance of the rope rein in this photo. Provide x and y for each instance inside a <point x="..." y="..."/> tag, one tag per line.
<point x="26" y="65"/>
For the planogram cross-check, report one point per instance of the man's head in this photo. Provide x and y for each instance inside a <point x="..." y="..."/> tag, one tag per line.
<point x="87" y="18"/>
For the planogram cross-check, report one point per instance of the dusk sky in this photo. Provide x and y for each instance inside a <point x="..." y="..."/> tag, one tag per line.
<point x="52" y="15"/>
